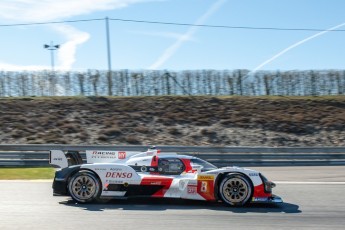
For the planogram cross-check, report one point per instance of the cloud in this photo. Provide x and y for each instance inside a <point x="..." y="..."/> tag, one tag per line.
<point x="27" y="11"/>
<point x="292" y="47"/>
<point x="67" y="51"/>
<point x="170" y="51"/>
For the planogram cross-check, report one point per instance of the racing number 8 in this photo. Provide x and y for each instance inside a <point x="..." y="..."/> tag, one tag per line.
<point x="203" y="186"/>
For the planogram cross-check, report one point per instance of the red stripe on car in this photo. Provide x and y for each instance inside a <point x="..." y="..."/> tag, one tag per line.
<point x="159" y="181"/>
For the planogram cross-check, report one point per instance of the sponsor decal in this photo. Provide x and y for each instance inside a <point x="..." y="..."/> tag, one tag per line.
<point x="100" y="169"/>
<point x="156" y="183"/>
<point x="253" y="174"/>
<point x="115" y="169"/>
<point x="193" y="182"/>
<point x="57" y="159"/>
<point x="121" y="155"/>
<point x="152" y="169"/>
<point x="260" y="199"/>
<point x="205" y="177"/>
<point x="191" y="189"/>
<point x="182" y="184"/>
<point x="103" y="154"/>
<point x="205" y="186"/>
<point x="114" y="181"/>
<point x="118" y="175"/>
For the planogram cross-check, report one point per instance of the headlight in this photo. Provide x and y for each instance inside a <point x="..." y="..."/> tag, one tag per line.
<point x="268" y="185"/>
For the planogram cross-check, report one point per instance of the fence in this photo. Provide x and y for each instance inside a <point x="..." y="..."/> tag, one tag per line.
<point x="37" y="155"/>
<point x="161" y="82"/>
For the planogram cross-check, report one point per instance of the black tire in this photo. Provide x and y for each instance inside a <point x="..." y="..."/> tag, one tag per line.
<point x="84" y="187"/>
<point x="235" y="189"/>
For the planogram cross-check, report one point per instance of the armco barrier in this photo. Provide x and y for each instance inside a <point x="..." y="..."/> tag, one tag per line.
<point x="37" y="155"/>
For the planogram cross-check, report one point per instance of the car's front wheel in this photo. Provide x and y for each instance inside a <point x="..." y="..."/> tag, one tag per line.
<point x="84" y="187"/>
<point x="235" y="189"/>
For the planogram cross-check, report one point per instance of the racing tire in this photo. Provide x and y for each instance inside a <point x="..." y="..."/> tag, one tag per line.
<point x="235" y="189"/>
<point x="84" y="187"/>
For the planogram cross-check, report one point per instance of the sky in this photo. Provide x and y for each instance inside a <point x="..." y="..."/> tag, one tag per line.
<point x="142" y="46"/>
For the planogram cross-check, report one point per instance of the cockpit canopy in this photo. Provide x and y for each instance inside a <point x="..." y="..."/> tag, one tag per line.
<point x="170" y="165"/>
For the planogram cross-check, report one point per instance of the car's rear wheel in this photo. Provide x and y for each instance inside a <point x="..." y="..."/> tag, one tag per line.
<point x="235" y="189"/>
<point x="84" y="187"/>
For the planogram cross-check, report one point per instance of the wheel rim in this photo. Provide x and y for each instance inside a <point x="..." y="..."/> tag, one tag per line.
<point x="235" y="190"/>
<point x="84" y="187"/>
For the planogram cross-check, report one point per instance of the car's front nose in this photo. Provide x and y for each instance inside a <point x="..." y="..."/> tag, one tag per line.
<point x="266" y="195"/>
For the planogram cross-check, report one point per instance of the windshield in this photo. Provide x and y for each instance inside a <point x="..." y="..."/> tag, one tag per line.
<point x="204" y="164"/>
<point x="170" y="166"/>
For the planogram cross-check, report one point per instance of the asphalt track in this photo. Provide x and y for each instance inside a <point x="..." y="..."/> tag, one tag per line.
<point x="314" y="199"/>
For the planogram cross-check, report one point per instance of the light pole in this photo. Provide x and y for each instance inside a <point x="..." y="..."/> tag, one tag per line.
<point x="52" y="48"/>
<point x="110" y="93"/>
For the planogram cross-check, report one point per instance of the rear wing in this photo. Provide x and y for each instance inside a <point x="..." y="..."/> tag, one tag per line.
<point x="64" y="159"/>
<point x="61" y="159"/>
<point x="104" y="156"/>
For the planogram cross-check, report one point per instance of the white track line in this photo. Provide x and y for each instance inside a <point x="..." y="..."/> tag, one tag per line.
<point x="277" y="182"/>
<point x="26" y="181"/>
<point x="311" y="182"/>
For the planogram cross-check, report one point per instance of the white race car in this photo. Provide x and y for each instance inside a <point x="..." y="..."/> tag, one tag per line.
<point x="121" y="174"/>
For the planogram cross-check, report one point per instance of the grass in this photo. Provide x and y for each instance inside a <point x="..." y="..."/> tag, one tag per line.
<point x="26" y="173"/>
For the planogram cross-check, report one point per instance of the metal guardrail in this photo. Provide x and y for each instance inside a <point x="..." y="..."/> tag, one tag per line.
<point x="38" y="155"/>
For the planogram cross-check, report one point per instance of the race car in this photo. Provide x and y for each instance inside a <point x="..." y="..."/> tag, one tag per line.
<point x="120" y="174"/>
